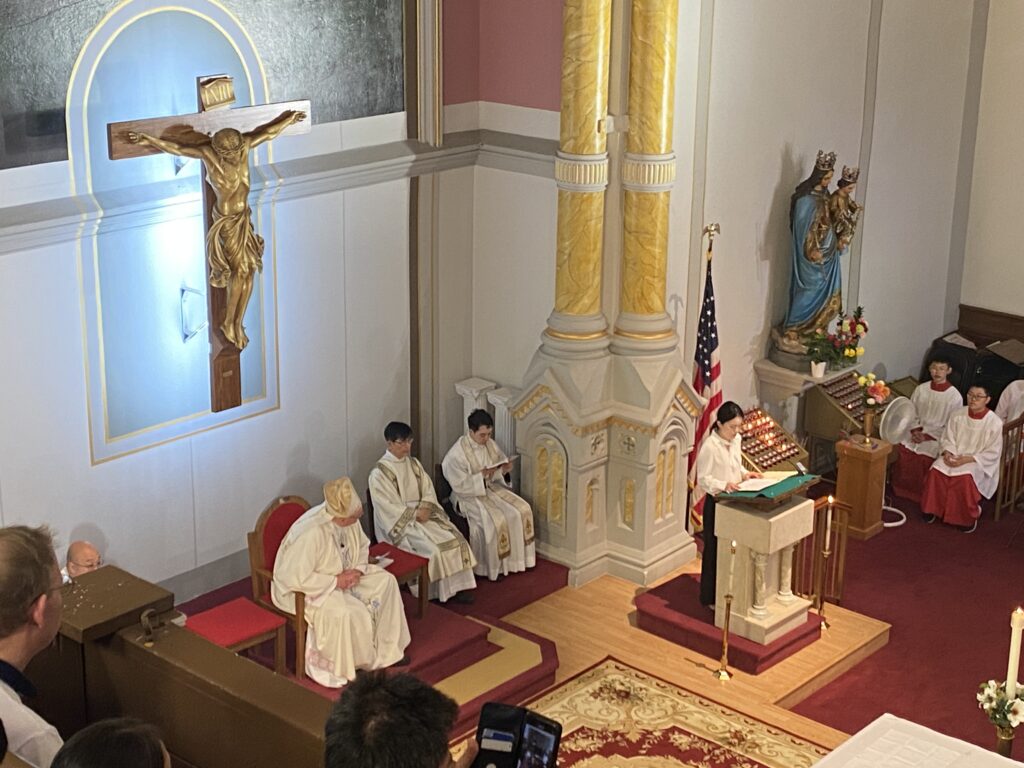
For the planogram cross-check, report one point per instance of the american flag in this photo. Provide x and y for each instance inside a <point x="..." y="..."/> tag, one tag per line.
<point x="707" y="381"/>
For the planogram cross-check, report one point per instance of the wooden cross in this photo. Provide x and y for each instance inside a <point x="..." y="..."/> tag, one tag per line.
<point x="221" y="138"/>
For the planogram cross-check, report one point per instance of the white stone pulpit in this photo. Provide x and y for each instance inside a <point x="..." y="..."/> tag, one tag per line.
<point x="763" y="607"/>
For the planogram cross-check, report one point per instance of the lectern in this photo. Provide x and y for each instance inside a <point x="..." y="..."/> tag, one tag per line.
<point x="860" y="483"/>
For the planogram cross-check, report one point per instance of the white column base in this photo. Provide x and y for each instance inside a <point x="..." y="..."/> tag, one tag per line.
<point x="644" y="334"/>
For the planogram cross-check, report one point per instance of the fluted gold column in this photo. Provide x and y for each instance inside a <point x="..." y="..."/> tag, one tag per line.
<point x="648" y="172"/>
<point x="581" y="171"/>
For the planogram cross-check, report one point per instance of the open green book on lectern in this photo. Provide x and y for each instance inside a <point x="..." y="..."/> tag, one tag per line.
<point x="772" y="486"/>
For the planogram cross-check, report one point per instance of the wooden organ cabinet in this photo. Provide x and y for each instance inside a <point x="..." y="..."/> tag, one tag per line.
<point x="832" y="410"/>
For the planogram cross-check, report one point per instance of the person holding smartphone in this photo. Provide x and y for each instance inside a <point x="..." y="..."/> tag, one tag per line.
<point x="719" y="469"/>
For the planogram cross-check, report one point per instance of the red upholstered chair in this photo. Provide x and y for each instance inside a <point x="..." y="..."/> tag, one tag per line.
<point x="264" y="542"/>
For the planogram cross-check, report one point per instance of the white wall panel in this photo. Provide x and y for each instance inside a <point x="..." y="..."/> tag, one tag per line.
<point x="906" y="226"/>
<point x="993" y="274"/>
<point x="787" y="79"/>
<point x="139" y="508"/>
<point x="455" y="300"/>
<point x="376" y="284"/>
<point x="513" y="271"/>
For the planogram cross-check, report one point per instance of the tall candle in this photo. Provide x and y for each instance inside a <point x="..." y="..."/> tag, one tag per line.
<point x="732" y="565"/>
<point x="828" y="522"/>
<point x="1016" y="627"/>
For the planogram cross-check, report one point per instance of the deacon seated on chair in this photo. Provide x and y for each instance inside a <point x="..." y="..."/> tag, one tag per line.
<point x="500" y="523"/>
<point x="968" y="466"/>
<point x="353" y="608"/>
<point x="935" y="402"/>
<point x="407" y="515"/>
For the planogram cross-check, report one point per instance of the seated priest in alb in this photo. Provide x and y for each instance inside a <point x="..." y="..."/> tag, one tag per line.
<point x="500" y="522"/>
<point x="353" y="608"/>
<point x="1011" y="402"/>
<point x="935" y="401"/>
<point x="406" y="514"/>
<point x="968" y="464"/>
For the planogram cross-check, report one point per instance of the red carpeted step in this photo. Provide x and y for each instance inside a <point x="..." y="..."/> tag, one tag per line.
<point x="443" y="642"/>
<point x="519" y="689"/>
<point x="673" y="611"/>
<point x="512" y="592"/>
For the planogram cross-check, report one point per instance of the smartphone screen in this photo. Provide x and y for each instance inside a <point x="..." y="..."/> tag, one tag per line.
<point x="539" y="745"/>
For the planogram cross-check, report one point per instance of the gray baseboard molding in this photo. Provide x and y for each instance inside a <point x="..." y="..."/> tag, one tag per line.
<point x="208" y="577"/>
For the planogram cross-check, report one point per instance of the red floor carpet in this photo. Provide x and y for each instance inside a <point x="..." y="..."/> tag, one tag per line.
<point x="948" y="597"/>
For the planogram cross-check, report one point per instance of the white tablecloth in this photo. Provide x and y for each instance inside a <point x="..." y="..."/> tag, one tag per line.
<point x="890" y="742"/>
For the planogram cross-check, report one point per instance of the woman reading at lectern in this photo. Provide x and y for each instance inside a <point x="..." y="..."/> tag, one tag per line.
<point x="719" y="469"/>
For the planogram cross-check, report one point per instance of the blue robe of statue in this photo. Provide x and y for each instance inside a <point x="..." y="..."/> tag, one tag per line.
<point x="815" y="288"/>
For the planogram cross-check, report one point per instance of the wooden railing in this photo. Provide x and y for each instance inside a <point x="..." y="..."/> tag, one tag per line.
<point x="1011" y="467"/>
<point x="813" y="577"/>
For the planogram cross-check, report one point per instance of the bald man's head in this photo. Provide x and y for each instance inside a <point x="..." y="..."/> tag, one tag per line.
<point x="82" y="558"/>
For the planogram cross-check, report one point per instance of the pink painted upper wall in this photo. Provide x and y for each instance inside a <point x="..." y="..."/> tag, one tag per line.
<point x="518" y="50"/>
<point x="460" y="33"/>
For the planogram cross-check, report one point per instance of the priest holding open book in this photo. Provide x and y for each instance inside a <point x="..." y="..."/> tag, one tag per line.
<point x="500" y="522"/>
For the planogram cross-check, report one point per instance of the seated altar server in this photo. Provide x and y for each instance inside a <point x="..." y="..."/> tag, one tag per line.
<point x="1011" y="402"/>
<point x="500" y="522"/>
<point x="406" y="513"/>
<point x="935" y="402"/>
<point x="719" y="469"/>
<point x="968" y="464"/>
<point x="353" y="608"/>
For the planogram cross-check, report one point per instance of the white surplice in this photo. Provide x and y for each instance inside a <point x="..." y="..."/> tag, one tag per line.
<point x="398" y="487"/>
<point x="1011" y="401"/>
<point x="934" y="408"/>
<point x="500" y="522"/>
<point x="362" y="627"/>
<point x="981" y="438"/>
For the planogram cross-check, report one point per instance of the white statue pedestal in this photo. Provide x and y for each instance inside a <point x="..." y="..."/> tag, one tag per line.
<point x="764" y="607"/>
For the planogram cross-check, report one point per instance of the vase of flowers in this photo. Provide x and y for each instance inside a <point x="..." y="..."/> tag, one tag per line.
<point x="850" y="329"/>
<point x="875" y="393"/>
<point x="1004" y="712"/>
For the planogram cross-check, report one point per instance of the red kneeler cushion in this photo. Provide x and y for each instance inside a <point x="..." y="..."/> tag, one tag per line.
<point x="405" y="562"/>
<point x="233" y="622"/>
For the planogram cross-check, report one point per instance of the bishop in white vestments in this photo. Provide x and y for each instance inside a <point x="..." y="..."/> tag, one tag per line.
<point x="500" y="522"/>
<point x="353" y="608"/>
<point x="406" y="514"/>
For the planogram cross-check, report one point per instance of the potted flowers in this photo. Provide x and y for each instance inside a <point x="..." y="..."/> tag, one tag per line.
<point x="849" y="332"/>
<point x="1004" y="712"/>
<point x="822" y="350"/>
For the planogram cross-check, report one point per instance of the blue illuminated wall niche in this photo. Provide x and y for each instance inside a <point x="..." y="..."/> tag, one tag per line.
<point x="147" y="382"/>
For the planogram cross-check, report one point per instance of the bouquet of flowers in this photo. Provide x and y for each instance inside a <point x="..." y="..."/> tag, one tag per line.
<point x="1003" y="712"/>
<point x="822" y="347"/>
<point x="875" y="390"/>
<point x="850" y="330"/>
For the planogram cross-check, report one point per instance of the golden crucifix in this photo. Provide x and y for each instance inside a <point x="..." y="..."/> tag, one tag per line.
<point x="221" y="139"/>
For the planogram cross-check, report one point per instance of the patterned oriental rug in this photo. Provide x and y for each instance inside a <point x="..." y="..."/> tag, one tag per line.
<point x="613" y="715"/>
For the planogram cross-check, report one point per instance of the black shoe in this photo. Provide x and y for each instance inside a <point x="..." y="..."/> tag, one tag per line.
<point x="463" y="598"/>
<point x="403" y="662"/>
<point x="929" y="518"/>
<point x="970" y="528"/>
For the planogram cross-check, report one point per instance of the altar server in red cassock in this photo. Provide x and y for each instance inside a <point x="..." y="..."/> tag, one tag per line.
<point x="935" y="401"/>
<point x="968" y="464"/>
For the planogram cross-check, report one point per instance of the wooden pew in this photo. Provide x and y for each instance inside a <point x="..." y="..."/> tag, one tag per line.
<point x="1011" y="467"/>
<point x="214" y="708"/>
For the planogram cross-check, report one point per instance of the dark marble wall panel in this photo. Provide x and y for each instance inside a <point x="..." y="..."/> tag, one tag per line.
<point x="345" y="55"/>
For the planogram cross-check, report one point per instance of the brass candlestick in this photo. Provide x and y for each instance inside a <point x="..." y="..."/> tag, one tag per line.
<point x="1004" y="741"/>
<point x="825" y="553"/>
<point x="723" y="673"/>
